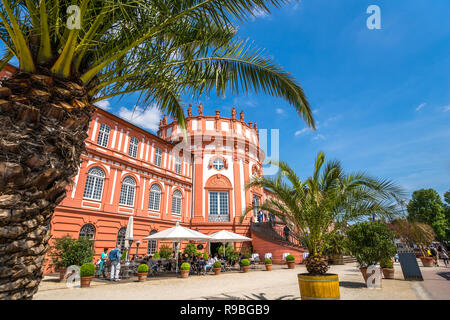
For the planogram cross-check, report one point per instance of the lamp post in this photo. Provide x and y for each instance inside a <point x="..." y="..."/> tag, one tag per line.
<point x="137" y="247"/>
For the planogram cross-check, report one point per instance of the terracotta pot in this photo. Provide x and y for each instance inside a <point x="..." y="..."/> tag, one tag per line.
<point x="142" y="276"/>
<point x="216" y="270"/>
<point x="86" y="281"/>
<point x="268" y="267"/>
<point x="388" y="273"/>
<point x="290" y="264"/>
<point x="245" y="268"/>
<point x="427" y="261"/>
<point x="366" y="275"/>
<point x="62" y="272"/>
<point x="184" y="273"/>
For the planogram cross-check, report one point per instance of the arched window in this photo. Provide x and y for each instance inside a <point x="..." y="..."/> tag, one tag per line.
<point x="152" y="244"/>
<point x="176" y="202"/>
<point x="127" y="191"/>
<point x="121" y="239"/>
<point x="155" y="198"/>
<point x="94" y="184"/>
<point x="88" y="231"/>
<point x="103" y="135"/>
<point x="218" y="164"/>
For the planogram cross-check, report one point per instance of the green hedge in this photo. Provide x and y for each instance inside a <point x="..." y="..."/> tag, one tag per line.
<point x="290" y="258"/>
<point x="143" y="268"/>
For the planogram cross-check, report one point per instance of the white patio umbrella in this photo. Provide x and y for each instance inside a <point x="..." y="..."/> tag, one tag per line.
<point x="129" y="235"/>
<point x="178" y="234"/>
<point x="225" y="236"/>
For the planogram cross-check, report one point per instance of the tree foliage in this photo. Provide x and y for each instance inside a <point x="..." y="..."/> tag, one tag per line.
<point x="413" y="232"/>
<point x="67" y="251"/>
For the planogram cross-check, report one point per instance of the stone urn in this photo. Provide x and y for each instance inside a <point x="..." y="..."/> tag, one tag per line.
<point x="290" y="264"/>
<point x="216" y="271"/>
<point x="268" y="267"/>
<point x="86" y="281"/>
<point x="142" y="276"/>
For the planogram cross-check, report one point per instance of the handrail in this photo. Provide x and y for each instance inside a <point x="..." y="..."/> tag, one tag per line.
<point x="278" y="230"/>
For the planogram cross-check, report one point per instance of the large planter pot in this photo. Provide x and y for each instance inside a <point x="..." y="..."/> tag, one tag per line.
<point x="268" y="267"/>
<point x="216" y="271"/>
<point x="245" y="268"/>
<point x="366" y="275"/>
<point x="62" y="273"/>
<point x="142" y="276"/>
<point x="290" y="264"/>
<point x="320" y="287"/>
<point x="337" y="259"/>
<point x="86" y="281"/>
<point x="388" y="273"/>
<point x="427" y="261"/>
<point x="184" y="273"/>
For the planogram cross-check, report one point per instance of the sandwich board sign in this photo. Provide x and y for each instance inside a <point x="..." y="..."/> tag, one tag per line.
<point x="408" y="262"/>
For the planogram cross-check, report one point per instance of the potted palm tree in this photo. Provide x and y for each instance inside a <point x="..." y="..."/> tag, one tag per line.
<point x="184" y="269"/>
<point x="268" y="263"/>
<point x="335" y="248"/>
<point x="245" y="265"/>
<point x="87" y="271"/>
<point x="102" y="49"/>
<point x="329" y="198"/>
<point x="216" y="267"/>
<point x="290" y="261"/>
<point x="142" y="272"/>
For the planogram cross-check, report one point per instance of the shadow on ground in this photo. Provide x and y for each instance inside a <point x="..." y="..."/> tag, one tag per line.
<point x="445" y="275"/>
<point x="253" y="296"/>
<point x="352" y="285"/>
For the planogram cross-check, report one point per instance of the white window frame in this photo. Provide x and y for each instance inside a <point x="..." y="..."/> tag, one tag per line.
<point x="158" y="157"/>
<point x="95" y="181"/>
<point x="103" y="135"/>
<point x="178" y="165"/>
<point x="177" y="200"/>
<point x="133" y="147"/>
<point x="218" y="164"/>
<point x="154" y="205"/>
<point x="125" y="191"/>
<point x="218" y="204"/>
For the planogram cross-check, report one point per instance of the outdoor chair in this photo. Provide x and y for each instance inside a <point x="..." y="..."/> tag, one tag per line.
<point x="255" y="261"/>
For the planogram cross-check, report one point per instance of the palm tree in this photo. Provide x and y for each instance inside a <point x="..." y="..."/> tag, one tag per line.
<point x="71" y="57"/>
<point x="329" y="198"/>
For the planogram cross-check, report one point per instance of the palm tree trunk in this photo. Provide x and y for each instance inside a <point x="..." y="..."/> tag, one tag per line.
<point x="44" y="122"/>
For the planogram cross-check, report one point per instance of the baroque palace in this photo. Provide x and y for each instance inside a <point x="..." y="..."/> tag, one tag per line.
<point x="196" y="177"/>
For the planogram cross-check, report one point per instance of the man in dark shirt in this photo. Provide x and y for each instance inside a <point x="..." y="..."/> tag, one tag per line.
<point x="286" y="232"/>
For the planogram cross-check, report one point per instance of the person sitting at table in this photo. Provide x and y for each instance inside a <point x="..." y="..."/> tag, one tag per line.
<point x="152" y="264"/>
<point x="216" y="257"/>
<point x="209" y="264"/>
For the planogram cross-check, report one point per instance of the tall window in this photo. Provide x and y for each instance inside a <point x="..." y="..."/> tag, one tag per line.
<point x="155" y="198"/>
<point x="133" y="148"/>
<point x="256" y="202"/>
<point x="88" y="231"/>
<point x="121" y="239"/>
<point x="218" y="203"/>
<point x="152" y="244"/>
<point x="158" y="157"/>
<point x="127" y="191"/>
<point x="103" y="135"/>
<point x="178" y="165"/>
<point x="218" y="164"/>
<point x="176" y="202"/>
<point x="94" y="184"/>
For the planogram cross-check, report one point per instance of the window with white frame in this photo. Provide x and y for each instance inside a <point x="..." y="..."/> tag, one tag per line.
<point x="127" y="191"/>
<point x="158" y="157"/>
<point x="218" y="164"/>
<point x="176" y="202"/>
<point x="103" y="135"/>
<point x="178" y="165"/>
<point x="133" y="148"/>
<point x="94" y="184"/>
<point x="218" y="203"/>
<point x="88" y="231"/>
<point x="152" y="244"/>
<point x="155" y="197"/>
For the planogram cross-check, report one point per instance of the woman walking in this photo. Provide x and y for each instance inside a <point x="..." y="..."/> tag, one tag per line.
<point x="102" y="265"/>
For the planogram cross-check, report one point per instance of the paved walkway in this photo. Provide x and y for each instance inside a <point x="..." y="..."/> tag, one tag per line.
<point x="281" y="283"/>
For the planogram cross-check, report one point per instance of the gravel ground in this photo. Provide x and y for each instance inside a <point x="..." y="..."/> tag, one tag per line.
<point x="281" y="283"/>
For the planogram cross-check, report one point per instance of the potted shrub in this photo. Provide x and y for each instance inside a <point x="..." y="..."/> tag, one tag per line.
<point x="216" y="267"/>
<point x="184" y="269"/>
<point x="387" y="266"/>
<point x="329" y="198"/>
<point x="290" y="260"/>
<point x="268" y="263"/>
<point x="87" y="271"/>
<point x="245" y="265"/>
<point x="370" y="242"/>
<point x="142" y="272"/>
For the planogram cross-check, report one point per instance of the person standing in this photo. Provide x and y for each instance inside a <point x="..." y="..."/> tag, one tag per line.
<point x="102" y="264"/>
<point x="286" y="231"/>
<point x="444" y="255"/>
<point x="114" y="257"/>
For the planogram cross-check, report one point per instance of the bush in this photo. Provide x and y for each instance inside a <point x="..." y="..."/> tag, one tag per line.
<point x="290" y="258"/>
<point x="156" y="255"/>
<point x="217" y="264"/>
<point x="66" y="251"/>
<point x="87" y="270"/>
<point x="245" y="262"/>
<point x="205" y="256"/>
<point x="230" y="253"/>
<point x="246" y="251"/>
<point x="386" y="263"/>
<point x="190" y="249"/>
<point x="268" y="261"/>
<point x="198" y="254"/>
<point x="143" y="268"/>
<point x="185" y="266"/>
<point x="370" y="242"/>
<point x="335" y="244"/>
<point x="165" y="252"/>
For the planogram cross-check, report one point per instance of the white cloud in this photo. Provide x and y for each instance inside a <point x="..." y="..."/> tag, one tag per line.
<point x="103" y="104"/>
<point x="420" y="106"/>
<point x="259" y="13"/>
<point x="447" y="108"/>
<point x="279" y="111"/>
<point x="147" y="119"/>
<point x="299" y="132"/>
<point x="319" y="136"/>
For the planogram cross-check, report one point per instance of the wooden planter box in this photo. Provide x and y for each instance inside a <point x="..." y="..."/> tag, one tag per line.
<point x="320" y="287"/>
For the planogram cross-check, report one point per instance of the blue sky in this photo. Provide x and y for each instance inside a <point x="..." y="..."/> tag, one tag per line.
<point x="381" y="98"/>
